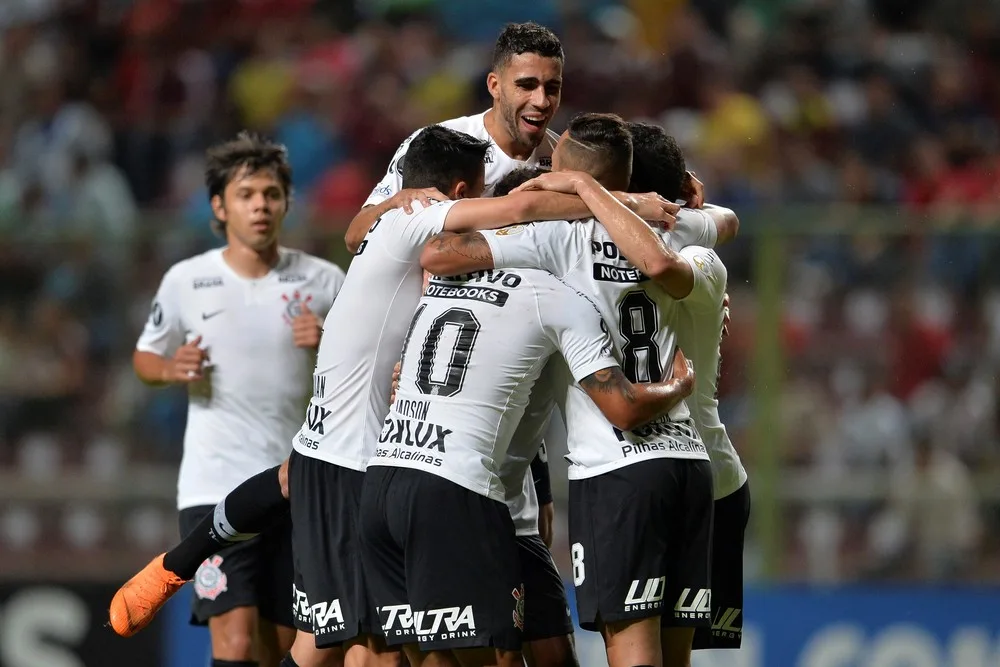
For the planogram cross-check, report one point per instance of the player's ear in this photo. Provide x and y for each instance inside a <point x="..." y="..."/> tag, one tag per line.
<point x="460" y="191"/>
<point x="218" y="208"/>
<point x="493" y="85"/>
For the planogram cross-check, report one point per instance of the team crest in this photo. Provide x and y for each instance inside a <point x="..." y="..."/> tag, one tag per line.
<point x="210" y="581"/>
<point x="704" y="264"/>
<point x="490" y="156"/>
<point x="510" y="231"/>
<point x="293" y="305"/>
<point x="518" y="594"/>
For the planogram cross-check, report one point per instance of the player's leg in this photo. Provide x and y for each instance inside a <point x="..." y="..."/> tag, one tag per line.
<point x="620" y="582"/>
<point x="728" y="535"/>
<point x="276" y="596"/>
<point x="548" y="626"/>
<point x="690" y="558"/>
<point x="248" y="510"/>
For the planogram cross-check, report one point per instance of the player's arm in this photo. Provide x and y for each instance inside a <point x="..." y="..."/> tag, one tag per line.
<point x="629" y="405"/>
<point x="727" y="224"/>
<point x="161" y="357"/>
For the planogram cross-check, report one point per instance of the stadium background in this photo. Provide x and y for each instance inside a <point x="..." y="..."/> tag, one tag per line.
<point x="857" y="139"/>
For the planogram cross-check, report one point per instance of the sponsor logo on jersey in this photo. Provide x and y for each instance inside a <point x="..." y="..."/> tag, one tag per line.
<point x="694" y="605"/>
<point x="383" y="190"/>
<point x="616" y="274"/>
<point x="494" y="297"/>
<point x="420" y="441"/>
<point x="396" y="620"/>
<point x="208" y="316"/>
<point x="510" y="231"/>
<point x="704" y="264"/>
<point x="210" y="581"/>
<point x="646" y="595"/>
<point x="156" y="314"/>
<point x="315" y="416"/>
<point x="728" y="623"/>
<point x="294" y="304"/>
<point x="678" y="437"/>
<point x="327" y="617"/>
<point x="518" y="613"/>
<point x="545" y="162"/>
<point x="291" y="278"/>
<point x="505" y="278"/>
<point x="203" y="283"/>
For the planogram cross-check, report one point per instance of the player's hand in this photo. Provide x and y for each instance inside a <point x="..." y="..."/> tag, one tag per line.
<point x="654" y="209"/>
<point x="693" y="191"/>
<point x="306" y="329"/>
<point x="404" y="198"/>
<point x="395" y="383"/>
<point x="546" y="521"/>
<point x="725" y="314"/>
<point x="187" y="364"/>
<point x="683" y="372"/>
<point x="566" y="182"/>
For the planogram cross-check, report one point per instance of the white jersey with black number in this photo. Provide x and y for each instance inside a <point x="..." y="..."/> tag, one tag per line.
<point x="498" y="163"/>
<point x="354" y="367"/>
<point x="698" y="323"/>
<point x="583" y="254"/>
<point x="242" y="414"/>
<point x="472" y="355"/>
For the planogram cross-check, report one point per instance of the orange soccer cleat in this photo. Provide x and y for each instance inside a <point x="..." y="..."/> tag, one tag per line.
<point x="136" y="603"/>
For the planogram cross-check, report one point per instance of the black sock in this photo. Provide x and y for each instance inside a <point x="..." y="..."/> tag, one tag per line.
<point x="234" y="663"/>
<point x="288" y="661"/>
<point x="249" y="509"/>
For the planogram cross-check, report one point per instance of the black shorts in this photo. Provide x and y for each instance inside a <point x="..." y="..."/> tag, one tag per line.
<point x="442" y="562"/>
<point x="256" y="573"/>
<point x="331" y="597"/>
<point x="546" y="609"/>
<point x="641" y="543"/>
<point x="730" y="523"/>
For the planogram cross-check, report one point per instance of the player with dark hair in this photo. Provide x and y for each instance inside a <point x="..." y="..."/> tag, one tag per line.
<point x="239" y="326"/>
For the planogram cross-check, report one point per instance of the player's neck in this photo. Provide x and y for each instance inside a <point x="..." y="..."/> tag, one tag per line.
<point x="250" y="263"/>
<point x="502" y="138"/>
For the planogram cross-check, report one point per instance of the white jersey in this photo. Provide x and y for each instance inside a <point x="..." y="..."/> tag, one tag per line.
<point x="583" y="254"/>
<point x="242" y="414"/>
<point x="353" y="373"/>
<point x="473" y="353"/>
<point x="698" y="323"/>
<point x="498" y="164"/>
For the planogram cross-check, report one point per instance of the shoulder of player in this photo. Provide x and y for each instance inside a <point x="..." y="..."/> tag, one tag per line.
<point x="472" y="125"/>
<point x="202" y="266"/>
<point x="310" y="265"/>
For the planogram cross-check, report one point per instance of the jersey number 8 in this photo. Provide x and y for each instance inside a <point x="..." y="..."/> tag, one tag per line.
<point x="640" y="354"/>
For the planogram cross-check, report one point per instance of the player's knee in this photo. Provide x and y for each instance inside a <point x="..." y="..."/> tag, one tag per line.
<point x="233" y="644"/>
<point x="552" y="652"/>
<point x="283" y="478"/>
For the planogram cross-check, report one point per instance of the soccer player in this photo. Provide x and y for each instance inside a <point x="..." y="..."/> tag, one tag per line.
<point x="699" y="320"/>
<point x="603" y="459"/>
<point x="436" y="534"/>
<point x="239" y="326"/>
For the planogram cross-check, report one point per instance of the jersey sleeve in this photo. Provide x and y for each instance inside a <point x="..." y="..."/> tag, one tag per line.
<point x="575" y="326"/>
<point x="710" y="277"/>
<point x="164" y="329"/>
<point x="408" y="233"/>
<point x="392" y="182"/>
<point x="548" y="246"/>
<point x="333" y="279"/>
<point x="693" y="227"/>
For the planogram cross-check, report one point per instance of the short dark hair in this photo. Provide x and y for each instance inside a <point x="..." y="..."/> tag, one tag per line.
<point x="600" y="144"/>
<point x="250" y="153"/>
<point x="438" y="158"/>
<point x="518" y="177"/>
<point x="518" y="38"/>
<point x="657" y="162"/>
<point x="247" y="153"/>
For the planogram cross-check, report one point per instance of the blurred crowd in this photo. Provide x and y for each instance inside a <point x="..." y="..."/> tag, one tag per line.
<point x="863" y="132"/>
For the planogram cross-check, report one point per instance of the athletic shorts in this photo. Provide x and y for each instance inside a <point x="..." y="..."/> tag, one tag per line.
<point x="256" y="573"/>
<point x="546" y="609"/>
<point x="331" y="597"/>
<point x="641" y="543"/>
<point x="731" y="516"/>
<point x="442" y="562"/>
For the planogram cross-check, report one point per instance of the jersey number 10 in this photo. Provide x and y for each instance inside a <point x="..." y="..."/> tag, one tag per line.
<point x="444" y="377"/>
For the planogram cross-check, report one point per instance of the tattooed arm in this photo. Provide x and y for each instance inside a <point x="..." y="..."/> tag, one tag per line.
<point x="627" y="405"/>
<point x="451" y="254"/>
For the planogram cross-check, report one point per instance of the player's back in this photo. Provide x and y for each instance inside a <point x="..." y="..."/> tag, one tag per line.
<point x="356" y="356"/>
<point x="698" y="321"/>
<point x="474" y="350"/>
